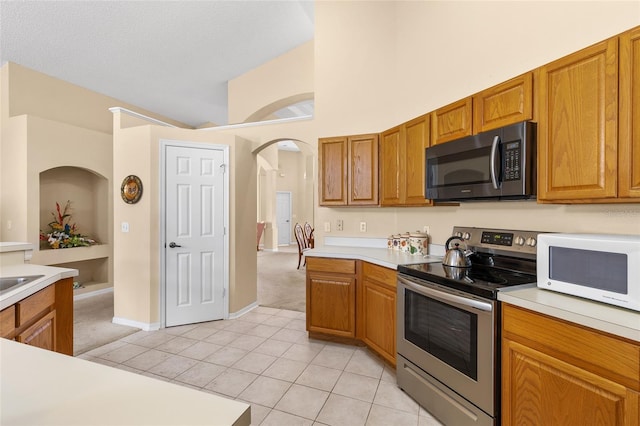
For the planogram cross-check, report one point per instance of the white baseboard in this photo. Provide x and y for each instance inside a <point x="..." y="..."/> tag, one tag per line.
<point x="137" y="324"/>
<point x="241" y="312"/>
<point x="92" y="293"/>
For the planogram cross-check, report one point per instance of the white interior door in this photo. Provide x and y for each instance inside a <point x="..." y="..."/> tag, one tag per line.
<point x="194" y="235"/>
<point x="283" y="217"/>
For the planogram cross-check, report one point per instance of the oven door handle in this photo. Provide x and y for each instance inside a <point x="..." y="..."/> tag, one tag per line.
<point x="436" y="294"/>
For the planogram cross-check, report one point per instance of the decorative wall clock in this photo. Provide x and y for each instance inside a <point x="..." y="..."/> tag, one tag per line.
<point x="131" y="189"/>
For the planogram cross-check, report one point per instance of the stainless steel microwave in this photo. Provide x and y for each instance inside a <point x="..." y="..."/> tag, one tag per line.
<point x="498" y="164"/>
<point x="601" y="267"/>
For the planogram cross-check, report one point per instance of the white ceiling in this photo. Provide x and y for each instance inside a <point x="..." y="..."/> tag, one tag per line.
<point x="170" y="57"/>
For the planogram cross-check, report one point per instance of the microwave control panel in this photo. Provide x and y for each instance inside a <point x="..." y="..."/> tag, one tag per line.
<point x="512" y="158"/>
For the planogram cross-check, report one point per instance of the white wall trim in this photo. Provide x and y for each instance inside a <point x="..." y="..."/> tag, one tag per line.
<point x="243" y="311"/>
<point x="92" y="293"/>
<point x="258" y="123"/>
<point x="145" y="326"/>
<point x="138" y="115"/>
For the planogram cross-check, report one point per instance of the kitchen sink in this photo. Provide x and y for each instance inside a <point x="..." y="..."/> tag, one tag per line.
<point x="8" y="283"/>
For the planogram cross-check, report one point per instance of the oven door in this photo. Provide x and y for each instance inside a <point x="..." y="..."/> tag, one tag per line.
<point x="451" y="335"/>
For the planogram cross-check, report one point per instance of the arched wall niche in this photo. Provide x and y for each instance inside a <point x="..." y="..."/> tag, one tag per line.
<point x="88" y="194"/>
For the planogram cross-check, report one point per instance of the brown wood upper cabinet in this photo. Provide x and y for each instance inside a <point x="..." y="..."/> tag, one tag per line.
<point x="402" y="164"/>
<point x="348" y="170"/>
<point x="506" y="103"/>
<point x="629" y="138"/>
<point x="589" y="124"/>
<point x="451" y="122"/>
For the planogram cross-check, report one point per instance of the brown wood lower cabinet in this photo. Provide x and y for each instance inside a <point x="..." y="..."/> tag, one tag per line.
<point x="377" y="310"/>
<point x="559" y="373"/>
<point x="44" y="319"/>
<point x="352" y="301"/>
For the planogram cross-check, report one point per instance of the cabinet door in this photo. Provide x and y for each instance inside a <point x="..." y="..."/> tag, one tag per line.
<point x="379" y="319"/>
<point x="506" y="103"/>
<point x="539" y="389"/>
<point x="332" y="171"/>
<point x="376" y="308"/>
<point x="416" y="141"/>
<point x="390" y="167"/>
<point x="7" y="321"/>
<point x="42" y="334"/>
<point x="331" y="303"/>
<point x="577" y="129"/>
<point x="452" y="121"/>
<point x="363" y="170"/>
<point x="629" y="140"/>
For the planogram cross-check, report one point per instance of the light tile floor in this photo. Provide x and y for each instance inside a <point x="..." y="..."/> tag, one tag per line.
<point x="265" y="358"/>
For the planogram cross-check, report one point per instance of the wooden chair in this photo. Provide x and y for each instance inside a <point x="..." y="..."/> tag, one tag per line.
<point x="308" y="234"/>
<point x="303" y="243"/>
<point x="259" y="231"/>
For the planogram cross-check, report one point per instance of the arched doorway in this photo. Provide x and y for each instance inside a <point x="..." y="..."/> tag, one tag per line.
<point x="285" y="166"/>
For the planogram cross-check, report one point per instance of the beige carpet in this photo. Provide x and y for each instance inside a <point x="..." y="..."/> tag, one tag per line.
<point x="92" y="326"/>
<point x="280" y="285"/>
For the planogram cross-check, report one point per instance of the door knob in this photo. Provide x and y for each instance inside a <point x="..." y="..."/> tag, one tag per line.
<point x="174" y="245"/>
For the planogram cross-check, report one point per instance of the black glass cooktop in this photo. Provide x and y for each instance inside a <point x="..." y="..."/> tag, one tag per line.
<point x="481" y="280"/>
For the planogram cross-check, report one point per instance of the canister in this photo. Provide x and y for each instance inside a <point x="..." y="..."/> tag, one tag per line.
<point x="390" y="242"/>
<point x="396" y="242"/>
<point x="418" y="243"/>
<point x="404" y="242"/>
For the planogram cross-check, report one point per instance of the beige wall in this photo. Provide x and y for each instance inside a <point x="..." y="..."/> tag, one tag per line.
<point x="137" y="253"/>
<point x="289" y="76"/>
<point x="381" y="63"/>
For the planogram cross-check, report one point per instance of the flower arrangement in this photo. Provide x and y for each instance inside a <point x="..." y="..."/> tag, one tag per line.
<point x="61" y="233"/>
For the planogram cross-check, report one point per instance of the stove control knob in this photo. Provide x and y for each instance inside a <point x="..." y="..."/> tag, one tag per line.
<point x="466" y="236"/>
<point x="519" y="241"/>
<point x="457" y="234"/>
<point x="531" y="242"/>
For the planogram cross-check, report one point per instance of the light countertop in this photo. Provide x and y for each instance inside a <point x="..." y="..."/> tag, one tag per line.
<point x="379" y="256"/>
<point x="41" y="387"/>
<point x="51" y="275"/>
<point x="600" y="316"/>
<point x="7" y="246"/>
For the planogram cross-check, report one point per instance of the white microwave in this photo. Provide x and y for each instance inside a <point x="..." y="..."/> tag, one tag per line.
<point x="605" y="268"/>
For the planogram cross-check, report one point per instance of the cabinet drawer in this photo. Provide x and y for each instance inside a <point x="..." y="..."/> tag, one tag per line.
<point x="35" y="304"/>
<point x="323" y="264"/>
<point x="605" y="355"/>
<point x="7" y="321"/>
<point x="380" y="274"/>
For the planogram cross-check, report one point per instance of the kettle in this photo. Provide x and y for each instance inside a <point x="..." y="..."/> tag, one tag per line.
<point x="456" y="257"/>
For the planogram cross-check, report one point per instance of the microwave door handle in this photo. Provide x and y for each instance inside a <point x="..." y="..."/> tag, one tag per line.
<point x="494" y="150"/>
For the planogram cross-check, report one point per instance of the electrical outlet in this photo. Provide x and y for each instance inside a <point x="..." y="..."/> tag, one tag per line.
<point x="425" y="229"/>
<point x="327" y="227"/>
<point x="363" y="226"/>
<point x="340" y="225"/>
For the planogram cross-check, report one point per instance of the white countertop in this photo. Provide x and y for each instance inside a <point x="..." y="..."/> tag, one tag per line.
<point x="51" y="275"/>
<point x="379" y="256"/>
<point x="600" y="316"/>
<point x="41" y="387"/>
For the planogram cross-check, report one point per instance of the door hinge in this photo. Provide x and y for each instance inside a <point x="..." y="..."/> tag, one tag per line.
<point x="224" y="293"/>
<point x="223" y="167"/>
